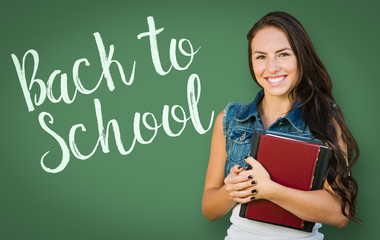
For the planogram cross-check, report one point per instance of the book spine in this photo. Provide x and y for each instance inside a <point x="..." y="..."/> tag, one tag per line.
<point x="315" y="167"/>
<point x="321" y="167"/>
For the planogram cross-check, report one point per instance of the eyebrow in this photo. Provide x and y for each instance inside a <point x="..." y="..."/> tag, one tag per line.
<point x="282" y="49"/>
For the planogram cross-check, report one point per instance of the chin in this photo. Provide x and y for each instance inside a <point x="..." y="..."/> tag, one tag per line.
<point x="277" y="93"/>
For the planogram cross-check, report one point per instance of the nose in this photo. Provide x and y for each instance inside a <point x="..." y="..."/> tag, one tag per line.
<point x="272" y="65"/>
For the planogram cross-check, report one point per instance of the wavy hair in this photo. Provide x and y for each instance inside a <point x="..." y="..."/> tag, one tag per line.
<point x="323" y="116"/>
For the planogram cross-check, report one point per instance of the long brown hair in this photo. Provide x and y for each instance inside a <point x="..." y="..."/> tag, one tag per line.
<point x="323" y="116"/>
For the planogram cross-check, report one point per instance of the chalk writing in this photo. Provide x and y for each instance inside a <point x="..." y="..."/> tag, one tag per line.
<point x="67" y="143"/>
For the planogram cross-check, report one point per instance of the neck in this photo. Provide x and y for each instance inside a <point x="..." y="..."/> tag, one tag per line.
<point x="272" y="107"/>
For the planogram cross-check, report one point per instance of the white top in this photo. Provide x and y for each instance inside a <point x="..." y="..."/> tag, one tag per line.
<point x="247" y="229"/>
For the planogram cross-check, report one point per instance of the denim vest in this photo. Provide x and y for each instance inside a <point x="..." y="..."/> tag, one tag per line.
<point x="240" y="122"/>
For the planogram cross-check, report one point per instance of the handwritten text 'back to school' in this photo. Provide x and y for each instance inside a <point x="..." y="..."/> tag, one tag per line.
<point x="146" y="120"/>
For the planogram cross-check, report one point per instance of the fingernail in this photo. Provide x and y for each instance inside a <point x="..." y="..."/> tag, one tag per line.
<point x="253" y="191"/>
<point x="252" y="197"/>
<point x="250" y="177"/>
<point x="253" y="182"/>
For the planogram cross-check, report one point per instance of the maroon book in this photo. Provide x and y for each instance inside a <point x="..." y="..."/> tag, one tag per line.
<point x="290" y="161"/>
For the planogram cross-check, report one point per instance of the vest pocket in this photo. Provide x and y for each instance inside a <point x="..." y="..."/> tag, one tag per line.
<point x="241" y="137"/>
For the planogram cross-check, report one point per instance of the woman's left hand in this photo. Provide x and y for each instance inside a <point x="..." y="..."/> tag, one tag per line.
<point x="264" y="184"/>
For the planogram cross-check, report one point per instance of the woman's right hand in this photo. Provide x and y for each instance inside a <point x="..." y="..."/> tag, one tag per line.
<point x="240" y="187"/>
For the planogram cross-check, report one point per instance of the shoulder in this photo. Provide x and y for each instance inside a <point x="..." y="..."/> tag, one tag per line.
<point x="219" y="120"/>
<point x="231" y="112"/>
<point x="243" y="110"/>
<point x="234" y="109"/>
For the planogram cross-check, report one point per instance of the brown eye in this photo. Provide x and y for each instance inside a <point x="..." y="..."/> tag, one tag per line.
<point x="284" y="54"/>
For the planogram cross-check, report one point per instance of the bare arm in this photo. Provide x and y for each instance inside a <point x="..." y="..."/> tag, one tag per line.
<point x="314" y="206"/>
<point x="216" y="202"/>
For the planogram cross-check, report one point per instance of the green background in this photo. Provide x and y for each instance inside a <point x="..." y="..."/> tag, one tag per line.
<point x="155" y="192"/>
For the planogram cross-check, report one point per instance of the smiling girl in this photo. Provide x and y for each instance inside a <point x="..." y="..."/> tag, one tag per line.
<point x="296" y="98"/>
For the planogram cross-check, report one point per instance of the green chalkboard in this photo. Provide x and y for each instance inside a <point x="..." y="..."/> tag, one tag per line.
<point x="107" y="110"/>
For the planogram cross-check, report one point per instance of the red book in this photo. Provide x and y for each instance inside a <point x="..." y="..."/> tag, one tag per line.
<point x="292" y="161"/>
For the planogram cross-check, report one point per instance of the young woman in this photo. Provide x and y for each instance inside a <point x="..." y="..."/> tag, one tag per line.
<point x="296" y="97"/>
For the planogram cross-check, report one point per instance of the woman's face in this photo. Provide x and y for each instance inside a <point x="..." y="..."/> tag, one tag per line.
<point x="274" y="62"/>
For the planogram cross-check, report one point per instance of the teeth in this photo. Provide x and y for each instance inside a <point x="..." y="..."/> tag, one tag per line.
<point x="275" y="80"/>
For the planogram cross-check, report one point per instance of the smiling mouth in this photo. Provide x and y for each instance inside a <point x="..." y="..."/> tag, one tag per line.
<point x="275" y="80"/>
